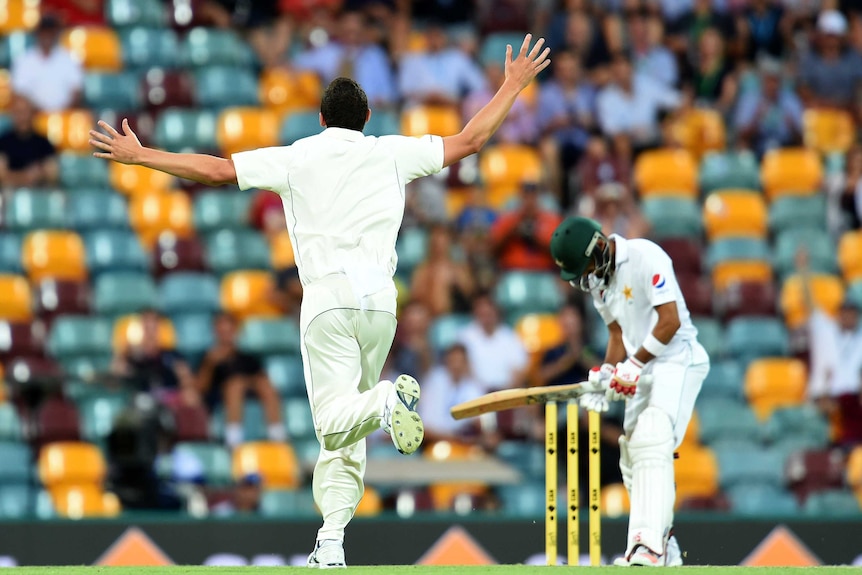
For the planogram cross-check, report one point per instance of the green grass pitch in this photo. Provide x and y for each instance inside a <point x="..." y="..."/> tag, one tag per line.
<point x="414" y="570"/>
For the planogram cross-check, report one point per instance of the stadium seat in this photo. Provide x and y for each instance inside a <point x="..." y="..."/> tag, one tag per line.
<point x="56" y="420"/>
<point x="832" y="503"/>
<point x="297" y="125"/>
<point x="739" y="467"/>
<point x="504" y="167"/>
<point x="253" y="422"/>
<point x="228" y="251"/>
<point x="818" y="245"/>
<point x="154" y="214"/>
<point x="828" y="131"/>
<point x="19" y="341"/>
<point x="729" y="273"/>
<point x="810" y="471"/>
<point x="673" y="217"/>
<point x="854" y="468"/>
<point x="191" y="423"/>
<point x="854" y="293"/>
<point x="145" y="48"/>
<point x="179" y="129"/>
<point x="194" y="334"/>
<point x="438" y="120"/>
<point x="133" y="180"/>
<point x="275" y="463"/>
<point x="725" y="380"/>
<point x="203" y="47"/>
<point x="445" y="495"/>
<point x="96" y="209"/>
<point x="710" y="335"/>
<point x="142" y="122"/>
<point x="754" y="337"/>
<point x="850" y="255"/>
<point x="18" y="16"/>
<point x="725" y="419"/>
<point x="281" y="251"/>
<point x="269" y="337"/>
<point x="172" y="255"/>
<point x="747" y="298"/>
<point x="285" y="91"/>
<point x="241" y="129"/>
<point x="762" y="499"/>
<point x="791" y="171"/>
<point x="29" y="209"/>
<point x="794" y="212"/>
<point x="802" y="421"/>
<point x="16" y="501"/>
<point x="121" y="293"/>
<point x="773" y="383"/>
<point x="411" y="247"/>
<point x="71" y="463"/>
<point x="445" y="330"/>
<point x="128" y="330"/>
<point x="697" y="292"/>
<point x="686" y="253"/>
<point x="10" y="423"/>
<point x="737" y="249"/>
<point x="248" y="294"/>
<point x="96" y="47"/>
<point x="700" y="131"/>
<point x="16" y="304"/>
<point x="167" y="89"/>
<point x="732" y="213"/>
<point x="79" y="501"/>
<point x="298" y="419"/>
<point x="731" y="170"/>
<point x="5" y="90"/>
<point x="118" y="91"/>
<point x="14" y="44"/>
<point x="31" y="370"/>
<point x="520" y="293"/>
<point x="82" y="171"/>
<point x="287" y="503"/>
<point x="539" y="332"/>
<point x="216" y="210"/>
<point x="696" y="474"/>
<point x="78" y="335"/>
<point x="50" y="254"/>
<point x="524" y="499"/>
<point x="666" y="172"/>
<point x="493" y="47"/>
<point x="221" y="87"/>
<point x="10" y="253"/>
<point x="285" y="373"/>
<point x="382" y="123"/>
<point x="826" y="291"/>
<point x="188" y="292"/>
<point x="114" y="250"/>
<point x="98" y="414"/>
<point x="526" y="457"/>
<point x="125" y="13"/>
<point x="17" y="463"/>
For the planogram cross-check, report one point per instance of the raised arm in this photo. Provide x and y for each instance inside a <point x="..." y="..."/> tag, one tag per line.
<point x="125" y="148"/>
<point x="519" y="73"/>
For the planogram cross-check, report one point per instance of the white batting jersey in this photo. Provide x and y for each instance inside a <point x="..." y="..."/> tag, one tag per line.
<point x="644" y="279"/>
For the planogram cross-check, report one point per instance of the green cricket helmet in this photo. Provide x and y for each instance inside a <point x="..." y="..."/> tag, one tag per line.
<point x="576" y="243"/>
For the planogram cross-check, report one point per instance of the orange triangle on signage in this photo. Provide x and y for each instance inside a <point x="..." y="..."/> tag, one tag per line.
<point x="456" y="547"/>
<point x="134" y="548"/>
<point x="781" y="548"/>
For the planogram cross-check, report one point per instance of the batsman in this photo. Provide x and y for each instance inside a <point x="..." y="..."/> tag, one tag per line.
<point x="653" y="362"/>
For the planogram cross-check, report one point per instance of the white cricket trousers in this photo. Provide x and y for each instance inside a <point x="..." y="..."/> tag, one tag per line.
<point x="343" y="352"/>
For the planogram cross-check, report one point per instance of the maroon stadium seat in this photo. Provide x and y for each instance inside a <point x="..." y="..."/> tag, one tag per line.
<point x="697" y="291"/>
<point x="747" y="298"/>
<point x="810" y="471"/>
<point x="190" y="423"/>
<point x="167" y="89"/>
<point x="23" y="370"/>
<point x="172" y="254"/>
<point x="57" y="420"/>
<point x="687" y="255"/>
<point x="143" y="123"/>
<point x="21" y="339"/>
<point x="55" y="298"/>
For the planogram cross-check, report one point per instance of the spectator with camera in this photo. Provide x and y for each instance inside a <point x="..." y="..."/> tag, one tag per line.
<point x="521" y="238"/>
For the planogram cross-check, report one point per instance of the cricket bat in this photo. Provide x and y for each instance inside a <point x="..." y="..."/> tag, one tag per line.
<point x="512" y="398"/>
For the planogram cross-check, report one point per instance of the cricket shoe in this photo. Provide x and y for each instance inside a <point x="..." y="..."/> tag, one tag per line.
<point x="643" y="556"/>
<point x="672" y="554"/>
<point x="402" y="423"/>
<point x="327" y="554"/>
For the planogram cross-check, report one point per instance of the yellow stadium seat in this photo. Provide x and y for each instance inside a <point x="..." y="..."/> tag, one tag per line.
<point x="284" y="91"/>
<point x="854" y="468"/>
<point x="67" y="130"/>
<point x="79" y="501"/>
<point x="850" y="255"/>
<point x="281" y="251"/>
<point x="71" y="463"/>
<point x="692" y="432"/>
<point x="827" y="292"/>
<point x="615" y="500"/>
<point x="417" y="41"/>
<point x="775" y="382"/>
<point x="437" y="120"/>
<point x="16" y="303"/>
<point x="275" y="462"/>
<point x="456" y="201"/>
<point x="128" y="330"/>
<point x="794" y="171"/>
<point x="666" y="172"/>
<point x="247" y="294"/>
<point x="828" y="131"/>
<point x="5" y="89"/>
<point x="725" y="274"/>
<point x="55" y="255"/>
<point x="696" y="472"/>
<point x="735" y="213"/>
<point x="504" y="167"/>
<point x="97" y="47"/>
<point x="445" y="495"/>
<point x="134" y="180"/>
<point x="700" y="131"/>
<point x="153" y="214"/>
<point x="539" y="332"/>
<point x="370" y="505"/>
<point x="241" y="129"/>
<point x="16" y="15"/>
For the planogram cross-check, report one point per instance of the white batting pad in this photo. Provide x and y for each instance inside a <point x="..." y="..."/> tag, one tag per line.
<point x="626" y="464"/>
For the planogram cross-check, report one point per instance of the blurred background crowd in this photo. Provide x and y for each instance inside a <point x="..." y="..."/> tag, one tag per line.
<point x="148" y="327"/>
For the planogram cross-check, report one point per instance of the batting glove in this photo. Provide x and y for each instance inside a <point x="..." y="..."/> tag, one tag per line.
<point x="594" y="401"/>
<point x="625" y="379"/>
<point x="599" y="378"/>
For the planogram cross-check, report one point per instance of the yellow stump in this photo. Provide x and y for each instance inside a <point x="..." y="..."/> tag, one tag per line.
<point x="572" y="479"/>
<point x="595" y="489"/>
<point x="551" y="483"/>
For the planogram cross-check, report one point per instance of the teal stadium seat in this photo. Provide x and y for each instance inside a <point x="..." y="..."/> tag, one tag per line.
<point x="123" y="13"/>
<point x="287" y="504"/>
<point x="75" y="336"/>
<point x="14" y="45"/>
<point x="725" y="380"/>
<point x="217" y="210"/>
<point x="711" y="336"/>
<point x="527" y="457"/>
<point x="17" y="461"/>
<point x="253" y="422"/>
<point x="832" y="503"/>
<point x="97" y="209"/>
<point x="98" y="415"/>
<point x="123" y="293"/>
<point x="445" y="330"/>
<point x="724" y="419"/>
<point x="44" y="505"/>
<point x="145" y="48"/>
<point x="523" y="500"/>
<point x="82" y="171"/>
<point x="179" y="129"/>
<point x="308" y="450"/>
<point x="795" y="212"/>
<point x="194" y="333"/>
<point x="411" y="247"/>
<point x="298" y="125"/>
<point x="520" y="293"/>
<point x="10" y="252"/>
<point x="761" y="499"/>
<point x="221" y="87"/>
<point x="752" y="337"/>
<point x="189" y="292"/>
<point x="86" y="367"/>
<point x="746" y="467"/>
<point x="297" y="418"/>
<point x="854" y="292"/>
<point x="113" y="91"/>
<point x="493" y="49"/>
<point x="671" y="217"/>
<point x="214" y="460"/>
<point x="804" y="422"/>
<point x="5" y="123"/>
<point x="737" y="249"/>
<point x="10" y="423"/>
<point x="820" y="247"/>
<point x="269" y="336"/>
<point x="285" y="373"/>
<point x="232" y="250"/>
<point x="114" y="250"/>
<point x="382" y="123"/>
<point x="730" y="170"/>
<point x="789" y="446"/>
<point x="214" y="47"/>
<point x="16" y="501"/>
<point x="31" y="209"/>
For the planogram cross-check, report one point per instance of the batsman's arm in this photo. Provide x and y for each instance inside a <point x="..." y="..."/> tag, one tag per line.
<point x="664" y="330"/>
<point x="616" y="351"/>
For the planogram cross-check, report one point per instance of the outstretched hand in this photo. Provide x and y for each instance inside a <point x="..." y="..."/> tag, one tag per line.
<point x="526" y="66"/>
<point x="124" y="148"/>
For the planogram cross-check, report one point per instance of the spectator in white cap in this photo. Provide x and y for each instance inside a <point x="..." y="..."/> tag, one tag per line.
<point x="830" y="74"/>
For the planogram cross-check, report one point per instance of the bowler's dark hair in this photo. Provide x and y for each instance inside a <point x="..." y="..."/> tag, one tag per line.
<point x="344" y="105"/>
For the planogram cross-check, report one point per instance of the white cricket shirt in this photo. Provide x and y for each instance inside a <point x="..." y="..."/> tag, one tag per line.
<point x="644" y="278"/>
<point x="343" y="197"/>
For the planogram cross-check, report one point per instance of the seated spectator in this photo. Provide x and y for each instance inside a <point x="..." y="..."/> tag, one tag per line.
<point x="411" y="350"/>
<point x="844" y="191"/>
<point x="770" y="117"/>
<point x="571" y="361"/>
<point x="709" y="78"/>
<point x="76" y="12"/>
<point x="149" y="368"/>
<point x="242" y="499"/>
<point x="498" y="357"/>
<point x="26" y="158"/>
<point x="521" y="238"/>
<point x="763" y="26"/>
<point x="519" y="127"/>
<point x="601" y="165"/>
<point x="287" y="292"/>
<point x="228" y="374"/>
<point x="474" y="225"/>
<point x="616" y="210"/>
<point x="261" y="22"/>
<point x="442" y="284"/>
<point x="439" y="76"/>
<point x="577" y="32"/>
<point x="351" y="55"/>
<point x="685" y="31"/>
<point x="47" y="74"/>
<point x="649" y="56"/>
<point x="830" y="74"/>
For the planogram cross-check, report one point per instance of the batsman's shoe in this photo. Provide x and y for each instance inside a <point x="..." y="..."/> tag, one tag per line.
<point x="673" y="555"/>
<point x="403" y="424"/>
<point x="643" y="556"/>
<point x="327" y="554"/>
<point x="621" y="561"/>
